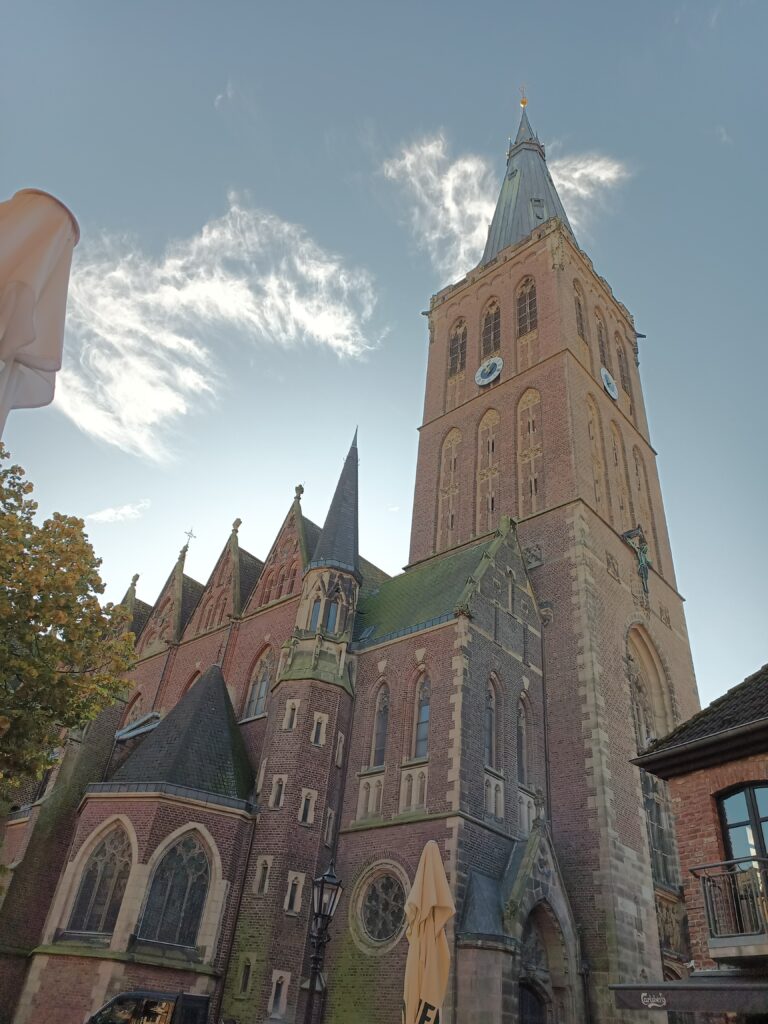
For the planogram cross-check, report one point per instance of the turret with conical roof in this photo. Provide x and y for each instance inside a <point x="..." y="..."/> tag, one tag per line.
<point x="337" y="545"/>
<point x="528" y="195"/>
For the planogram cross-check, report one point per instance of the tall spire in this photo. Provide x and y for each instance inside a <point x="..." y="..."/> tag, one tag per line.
<point x="528" y="196"/>
<point x="337" y="544"/>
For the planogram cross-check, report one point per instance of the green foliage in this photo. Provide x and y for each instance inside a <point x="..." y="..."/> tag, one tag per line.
<point x="62" y="654"/>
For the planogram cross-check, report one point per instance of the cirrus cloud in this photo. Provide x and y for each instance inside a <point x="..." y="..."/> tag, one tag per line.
<point x="145" y="334"/>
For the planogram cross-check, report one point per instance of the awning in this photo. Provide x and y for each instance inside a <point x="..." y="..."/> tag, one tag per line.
<point x="704" y="992"/>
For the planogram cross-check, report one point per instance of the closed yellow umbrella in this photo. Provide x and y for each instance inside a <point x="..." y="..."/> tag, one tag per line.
<point x="428" y="909"/>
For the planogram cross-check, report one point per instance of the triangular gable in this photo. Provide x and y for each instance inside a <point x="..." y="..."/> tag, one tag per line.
<point x="291" y="551"/>
<point x="505" y="546"/>
<point x="138" y="611"/>
<point x="221" y="595"/>
<point x="170" y="612"/>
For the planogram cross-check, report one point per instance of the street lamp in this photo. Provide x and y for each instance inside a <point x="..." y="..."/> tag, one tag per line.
<point x="326" y="893"/>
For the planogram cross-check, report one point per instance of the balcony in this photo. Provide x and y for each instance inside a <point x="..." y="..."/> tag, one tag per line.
<point x="736" y="902"/>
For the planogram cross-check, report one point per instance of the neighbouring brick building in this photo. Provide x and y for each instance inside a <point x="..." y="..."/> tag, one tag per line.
<point x="716" y="764"/>
<point x="490" y="697"/>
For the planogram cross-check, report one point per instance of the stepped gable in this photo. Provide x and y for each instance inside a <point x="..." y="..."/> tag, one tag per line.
<point x="197" y="745"/>
<point x="528" y="197"/>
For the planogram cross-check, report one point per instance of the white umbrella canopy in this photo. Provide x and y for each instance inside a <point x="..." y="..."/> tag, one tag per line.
<point x="37" y="236"/>
<point x="428" y="909"/>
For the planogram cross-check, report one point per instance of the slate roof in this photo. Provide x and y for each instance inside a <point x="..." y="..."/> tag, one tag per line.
<point x="197" y="745"/>
<point x="141" y="612"/>
<point x="338" y="544"/>
<point x="423" y="596"/>
<point x="741" y="705"/>
<point x="528" y="196"/>
<point x="191" y="592"/>
<point x="250" y="569"/>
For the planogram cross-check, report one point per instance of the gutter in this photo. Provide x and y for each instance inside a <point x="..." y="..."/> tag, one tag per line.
<point x="726" y="745"/>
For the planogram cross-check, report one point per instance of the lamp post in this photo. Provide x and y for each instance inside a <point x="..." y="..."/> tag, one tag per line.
<point x="326" y="893"/>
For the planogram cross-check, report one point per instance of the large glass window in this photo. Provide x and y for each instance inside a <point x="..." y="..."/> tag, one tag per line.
<point x="257" y="698"/>
<point x="745" y="822"/>
<point x="177" y="895"/>
<point x="102" y="886"/>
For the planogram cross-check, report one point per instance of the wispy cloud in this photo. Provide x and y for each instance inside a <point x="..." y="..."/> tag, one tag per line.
<point x="145" y="335"/>
<point x="120" y="513"/>
<point x="452" y="201"/>
<point x="226" y="96"/>
<point x="723" y="136"/>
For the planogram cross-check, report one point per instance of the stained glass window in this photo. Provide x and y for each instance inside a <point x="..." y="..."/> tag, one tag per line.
<point x="177" y="895"/>
<point x="102" y="885"/>
<point x="383" y="909"/>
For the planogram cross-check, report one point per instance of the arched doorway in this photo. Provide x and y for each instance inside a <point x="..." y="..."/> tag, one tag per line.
<point x="533" y="1009"/>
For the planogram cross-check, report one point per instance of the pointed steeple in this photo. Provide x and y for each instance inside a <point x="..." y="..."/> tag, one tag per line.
<point x="528" y="196"/>
<point x="337" y="544"/>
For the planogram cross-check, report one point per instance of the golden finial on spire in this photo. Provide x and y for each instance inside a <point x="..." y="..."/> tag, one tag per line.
<point x="523" y="97"/>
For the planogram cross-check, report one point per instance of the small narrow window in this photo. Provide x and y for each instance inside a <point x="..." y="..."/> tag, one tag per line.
<point x="580" y="326"/>
<point x="277" y="997"/>
<point x="293" y="891"/>
<point x="421" y="796"/>
<point x="306" y="806"/>
<point x="527" y="312"/>
<point x="381" y="724"/>
<point x="490" y="727"/>
<point x="340" y="750"/>
<point x="329" y="817"/>
<point x="263" y="878"/>
<point x="245" y="978"/>
<point x="331" y="616"/>
<point x="522" y="745"/>
<point x="601" y="345"/>
<point x="314" y="617"/>
<point x="421" y="744"/>
<point x="457" y="349"/>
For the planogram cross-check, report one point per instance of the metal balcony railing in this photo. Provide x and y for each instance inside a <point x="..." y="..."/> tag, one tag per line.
<point x="735" y="896"/>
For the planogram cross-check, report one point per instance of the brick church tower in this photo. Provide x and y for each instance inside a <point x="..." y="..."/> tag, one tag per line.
<point x="534" y="408"/>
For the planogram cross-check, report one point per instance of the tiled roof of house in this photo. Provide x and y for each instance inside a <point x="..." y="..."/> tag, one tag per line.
<point x="197" y="745"/>
<point x="422" y="596"/>
<point x="741" y="705"/>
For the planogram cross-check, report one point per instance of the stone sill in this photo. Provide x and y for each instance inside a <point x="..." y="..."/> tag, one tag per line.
<point x="253" y="718"/>
<point x="62" y="949"/>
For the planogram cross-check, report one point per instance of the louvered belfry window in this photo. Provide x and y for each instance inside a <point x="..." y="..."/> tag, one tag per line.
<point x="527" y="311"/>
<point x="457" y="349"/>
<point x="491" y="339"/>
<point x="102" y="885"/>
<point x="177" y="895"/>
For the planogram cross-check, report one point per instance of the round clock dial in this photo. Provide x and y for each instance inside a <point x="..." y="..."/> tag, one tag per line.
<point x="489" y="370"/>
<point x="609" y="384"/>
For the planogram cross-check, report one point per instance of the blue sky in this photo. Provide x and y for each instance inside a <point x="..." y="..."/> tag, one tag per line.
<point x="269" y="194"/>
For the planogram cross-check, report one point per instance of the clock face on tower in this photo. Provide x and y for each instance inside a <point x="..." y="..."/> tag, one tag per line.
<point x="489" y="370"/>
<point x="609" y="384"/>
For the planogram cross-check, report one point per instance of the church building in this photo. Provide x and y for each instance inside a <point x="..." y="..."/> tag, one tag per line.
<point x="309" y="708"/>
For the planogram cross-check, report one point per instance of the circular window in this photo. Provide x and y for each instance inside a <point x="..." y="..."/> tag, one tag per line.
<point x="383" y="908"/>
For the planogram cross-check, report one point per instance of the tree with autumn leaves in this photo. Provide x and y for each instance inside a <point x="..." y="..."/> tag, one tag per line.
<point x="62" y="653"/>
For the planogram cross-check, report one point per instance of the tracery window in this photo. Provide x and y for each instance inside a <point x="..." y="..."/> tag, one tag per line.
<point x="527" y="311"/>
<point x="602" y="345"/>
<point x="177" y="895"/>
<point x="530" y="453"/>
<point x="257" y="698"/>
<point x="380" y="726"/>
<point x="578" y="302"/>
<point x="421" y="738"/>
<point x="491" y="332"/>
<point x="102" y="885"/>
<point x="487" y="510"/>
<point x="448" y="491"/>
<point x="619" y="470"/>
<point x="595" y="432"/>
<point x="383" y="908"/>
<point x="457" y="349"/>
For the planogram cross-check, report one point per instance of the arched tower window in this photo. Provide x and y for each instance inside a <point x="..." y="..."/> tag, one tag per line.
<point x="595" y="431"/>
<point x="257" y="696"/>
<point x="602" y="343"/>
<point x="177" y="895"/>
<point x="102" y="885"/>
<point x="578" y="302"/>
<point x="530" y="462"/>
<point x="421" y="731"/>
<point x="268" y="585"/>
<point x="523" y="743"/>
<point x="489" y="727"/>
<point x="642" y="502"/>
<point x="652" y="716"/>
<point x="457" y="348"/>
<point x="618" y="462"/>
<point x="314" y="615"/>
<point x="331" y="616"/>
<point x="527" y="312"/>
<point x="380" y="726"/>
<point x="621" y="357"/>
<point x="448" y="498"/>
<point x="491" y="330"/>
<point x="487" y="506"/>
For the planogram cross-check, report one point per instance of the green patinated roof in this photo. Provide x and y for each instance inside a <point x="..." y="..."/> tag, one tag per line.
<point x="417" y="598"/>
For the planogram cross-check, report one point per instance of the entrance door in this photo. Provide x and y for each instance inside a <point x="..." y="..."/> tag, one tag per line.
<point x="532" y="1007"/>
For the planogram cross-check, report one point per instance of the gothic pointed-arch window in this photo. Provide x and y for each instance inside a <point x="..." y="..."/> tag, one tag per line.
<point x="491" y="330"/>
<point x="643" y="508"/>
<point x="280" y="584"/>
<point x="489" y="727"/>
<point x="268" y="584"/>
<point x="290" y="580"/>
<point x="621" y="357"/>
<point x="530" y="462"/>
<point x="523" y="743"/>
<point x="487" y="503"/>
<point x="448" y="497"/>
<point x="527" y="311"/>
<point x="595" y="431"/>
<point x="602" y="344"/>
<point x="314" y="615"/>
<point x="177" y="895"/>
<point x="380" y="727"/>
<point x="331" y="616"/>
<point x="457" y="348"/>
<point x="618" y="461"/>
<point x="102" y="885"/>
<point x="578" y="301"/>
<point x="257" y="697"/>
<point x="421" y="731"/>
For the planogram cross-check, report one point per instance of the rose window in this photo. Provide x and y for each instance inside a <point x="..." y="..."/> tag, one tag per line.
<point x="383" y="908"/>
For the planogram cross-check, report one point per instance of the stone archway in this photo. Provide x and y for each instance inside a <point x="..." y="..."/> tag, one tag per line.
<point x="545" y="978"/>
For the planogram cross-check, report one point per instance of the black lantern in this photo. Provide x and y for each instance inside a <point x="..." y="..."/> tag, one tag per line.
<point x="326" y="893"/>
